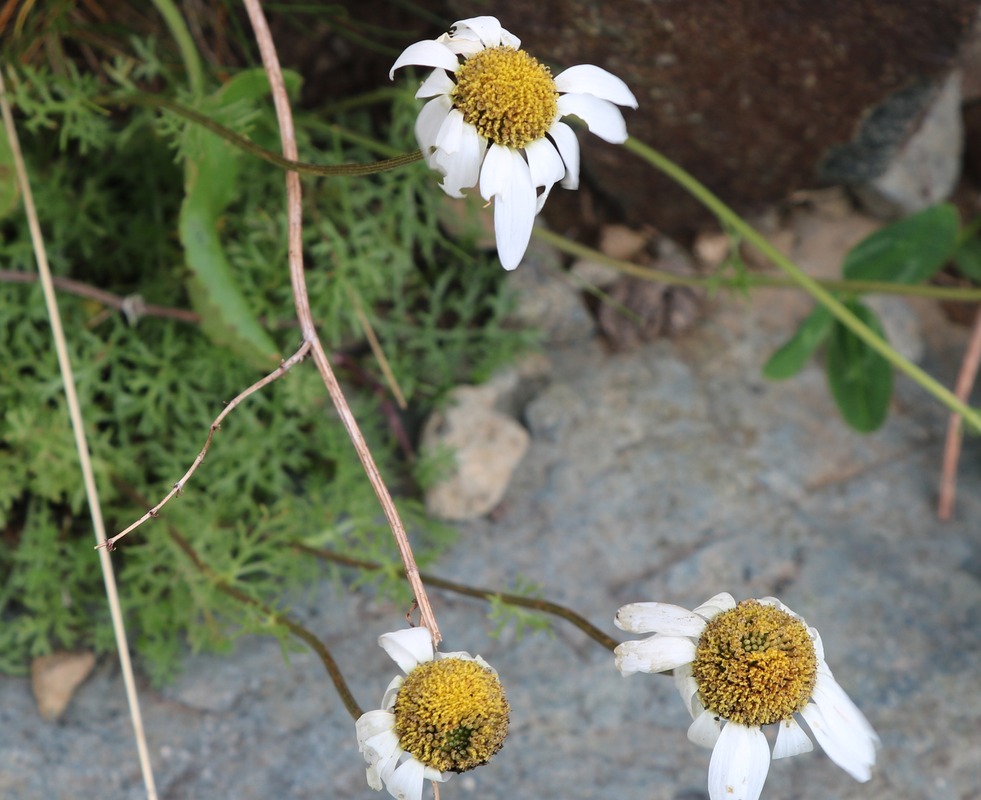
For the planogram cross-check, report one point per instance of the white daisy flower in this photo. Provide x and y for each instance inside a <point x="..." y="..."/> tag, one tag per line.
<point x="448" y="714"/>
<point x="738" y="668"/>
<point x="495" y="120"/>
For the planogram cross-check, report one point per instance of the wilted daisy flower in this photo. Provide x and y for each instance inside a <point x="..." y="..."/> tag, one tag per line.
<point x="448" y="714"/>
<point x="495" y="119"/>
<point x="738" y="668"/>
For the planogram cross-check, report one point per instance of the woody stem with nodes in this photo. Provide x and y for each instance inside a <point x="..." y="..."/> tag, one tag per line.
<point x="301" y="301"/>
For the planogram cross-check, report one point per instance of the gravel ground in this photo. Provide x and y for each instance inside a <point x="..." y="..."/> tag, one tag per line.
<point x="671" y="472"/>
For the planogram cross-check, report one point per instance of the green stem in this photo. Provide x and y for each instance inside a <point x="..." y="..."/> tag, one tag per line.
<point x="811" y="286"/>
<point x="189" y="53"/>
<point x="956" y="294"/>
<point x="260" y="152"/>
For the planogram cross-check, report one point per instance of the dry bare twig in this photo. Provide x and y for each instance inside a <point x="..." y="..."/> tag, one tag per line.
<point x="284" y="115"/>
<point x="81" y="444"/>
<point x="178" y="487"/>
<point x="955" y="430"/>
<point x="131" y="305"/>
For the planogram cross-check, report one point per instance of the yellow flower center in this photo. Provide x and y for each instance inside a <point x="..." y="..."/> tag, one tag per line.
<point x="506" y="95"/>
<point x="755" y="665"/>
<point x="451" y="714"/>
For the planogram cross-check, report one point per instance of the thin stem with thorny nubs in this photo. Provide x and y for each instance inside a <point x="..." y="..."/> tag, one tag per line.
<point x="301" y="301"/>
<point x="178" y="487"/>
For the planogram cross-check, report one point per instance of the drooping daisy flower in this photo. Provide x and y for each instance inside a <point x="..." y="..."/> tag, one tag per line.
<point x="738" y="668"/>
<point x="448" y="714"/>
<point x="494" y="118"/>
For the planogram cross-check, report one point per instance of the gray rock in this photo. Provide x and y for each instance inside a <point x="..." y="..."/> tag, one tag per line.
<point x="667" y="473"/>
<point x="924" y="166"/>
<point x="547" y="299"/>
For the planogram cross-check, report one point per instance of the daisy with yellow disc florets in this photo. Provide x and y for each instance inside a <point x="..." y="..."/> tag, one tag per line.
<point x="448" y="714"/>
<point x="495" y="120"/>
<point x="740" y="667"/>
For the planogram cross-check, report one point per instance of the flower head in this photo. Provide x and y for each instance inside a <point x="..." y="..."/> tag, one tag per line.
<point x="739" y="667"/>
<point x="448" y="714"/>
<point x="495" y="120"/>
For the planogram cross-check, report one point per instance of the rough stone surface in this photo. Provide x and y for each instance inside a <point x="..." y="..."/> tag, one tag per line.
<point x="669" y="472"/>
<point x="487" y="446"/>
<point x="924" y="168"/>
<point x="547" y="299"/>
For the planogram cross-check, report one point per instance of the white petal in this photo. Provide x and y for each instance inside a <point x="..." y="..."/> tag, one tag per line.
<point x="544" y="162"/>
<point x="841" y="729"/>
<point x="429" y="53"/>
<point x="715" y="605"/>
<point x="429" y="122"/>
<point x="388" y="701"/>
<point x="818" y="646"/>
<point x="506" y="178"/>
<point x="546" y="168"/>
<point x="372" y="723"/>
<point x="459" y="153"/>
<point x="465" y="46"/>
<point x="656" y="654"/>
<point x="451" y="132"/>
<point x="587" y="79"/>
<point x="659" y="618"/>
<point x="487" y="29"/>
<point x="380" y="747"/>
<point x="409" y="647"/>
<point x="739" y="764"/>
<point x="568" y="147"/>
<point x="432" y="774"/>
<point x="791" y="740"/>
<point x="438" y="82"/>
<point x="374" y="779"/>
<point x="382" y="752"/>
<point x="705" y="730"/>
<point x="687" y="687"/>
<point x="776" y="603"/>
<point x="407" y="781"/>
<point x="602" y="118"/>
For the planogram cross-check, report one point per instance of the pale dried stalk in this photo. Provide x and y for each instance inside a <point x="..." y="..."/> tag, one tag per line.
<point x="81" y="444"/>
<point x="301" y="300"/>
<point x="955" y="432"/>
<point x="178" y="487"/>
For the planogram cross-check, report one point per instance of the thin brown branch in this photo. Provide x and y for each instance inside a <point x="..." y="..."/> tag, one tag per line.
<point x="955" y="430"/>
<point x="81" y="442"/>
<point x="534" y="603"/>
<point x="131" y="305"/>
<point x="178" y="487"/>
<point x="235" y="593"/>
<point x="301" y="300"/>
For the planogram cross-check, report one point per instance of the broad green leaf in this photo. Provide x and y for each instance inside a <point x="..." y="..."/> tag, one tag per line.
<point x="210" y="184"/>
<point x="968" y="259"/>
<point x="860" y="378"/>
<point x="908" y="251"/>
<point x="792" y="356"/>
<point x="9" y="190"/>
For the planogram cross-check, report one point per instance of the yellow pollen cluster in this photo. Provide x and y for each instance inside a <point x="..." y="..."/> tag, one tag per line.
<point x="451" y="714"/>
<point x="506" y="95"/>
<point x="755" y="665"/>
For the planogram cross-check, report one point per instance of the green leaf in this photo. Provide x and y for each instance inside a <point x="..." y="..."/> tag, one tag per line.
<point x="860" y="378"/>
<point x="908" y="251"/>
<point x="968" y="259"/>
<point x="210" y="185"/>
<point x="792" y="356"/>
